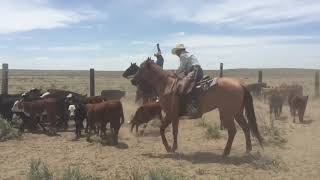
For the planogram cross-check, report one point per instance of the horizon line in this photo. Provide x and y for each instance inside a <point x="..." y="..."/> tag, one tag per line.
<point x="267" y="68"/>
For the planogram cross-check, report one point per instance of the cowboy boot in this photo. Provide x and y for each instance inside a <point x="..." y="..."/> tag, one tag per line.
<point x="193" y="107"/>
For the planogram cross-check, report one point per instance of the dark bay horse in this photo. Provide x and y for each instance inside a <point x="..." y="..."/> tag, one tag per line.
<point x="144" y="91"/>
<point x="227" y="95"/>
<point x="130" y="71"/>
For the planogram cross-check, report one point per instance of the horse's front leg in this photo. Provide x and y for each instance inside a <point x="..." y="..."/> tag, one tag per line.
<point x="175" y="130"/>
<point x="164" y="125"/>
<point x="144" y="127"/>
<point x="294" y="115"/>
<point x="300" y="115"/>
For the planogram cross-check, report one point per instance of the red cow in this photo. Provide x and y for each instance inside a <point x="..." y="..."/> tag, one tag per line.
<point x="101" y="113"/>
<point x="95" y="99"/>
<point x="36" y="108"/>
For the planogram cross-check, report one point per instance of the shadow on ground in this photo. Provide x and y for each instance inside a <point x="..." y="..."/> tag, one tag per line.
<point x="202" y="158"/>
<point x="254" y="159"/>
<point x="122" y="145"/>
<point x="308" y="121"/>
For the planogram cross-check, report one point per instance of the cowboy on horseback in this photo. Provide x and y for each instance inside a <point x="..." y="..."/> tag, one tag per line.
<point x="191" y="72"/>
<point x="159" y="57"/>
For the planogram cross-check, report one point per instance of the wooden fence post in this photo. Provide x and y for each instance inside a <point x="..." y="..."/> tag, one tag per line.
<point x="316" y="84"/>
<point x="5" y="71"/>
<point x="92" y="83"/>
<point x="260" y="77"/>
<point x="221" y="69"/>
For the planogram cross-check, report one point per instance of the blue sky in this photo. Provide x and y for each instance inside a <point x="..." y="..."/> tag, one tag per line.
<point x="109" y="34"/>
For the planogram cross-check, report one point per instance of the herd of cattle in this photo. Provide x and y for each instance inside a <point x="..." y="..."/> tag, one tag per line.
<point x="278" y="96"/>
<point x="53" y="108"/>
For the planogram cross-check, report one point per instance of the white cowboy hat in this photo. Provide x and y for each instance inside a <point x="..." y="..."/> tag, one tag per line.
<point x="178" y="47"/>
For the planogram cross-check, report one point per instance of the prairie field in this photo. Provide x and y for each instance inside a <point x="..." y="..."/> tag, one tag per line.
<point x="291" y="150"/>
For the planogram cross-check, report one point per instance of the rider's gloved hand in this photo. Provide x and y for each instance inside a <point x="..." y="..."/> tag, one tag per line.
<point x="157" y="54"/>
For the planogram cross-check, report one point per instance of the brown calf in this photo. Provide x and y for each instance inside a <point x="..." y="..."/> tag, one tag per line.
<point x="144" y="114"/>
<point x="101" y="113"/>
<point x="298" y="103"/>
<point x="284" y="90"/>
<point x="275" y="103"/>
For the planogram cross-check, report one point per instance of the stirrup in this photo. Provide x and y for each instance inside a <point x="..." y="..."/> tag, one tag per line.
<point x="193" y="112"/>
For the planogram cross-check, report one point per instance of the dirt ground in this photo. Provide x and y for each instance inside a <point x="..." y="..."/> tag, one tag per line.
<point x="292" y="151"/>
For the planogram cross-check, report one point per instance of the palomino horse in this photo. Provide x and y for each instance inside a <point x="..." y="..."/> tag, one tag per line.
<point x="228" y="95"/>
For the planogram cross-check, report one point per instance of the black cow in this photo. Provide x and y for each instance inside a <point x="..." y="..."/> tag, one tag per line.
<point x="32" y="94"/>
<point x="61" y="96"/>
<point x="78" y="113"/>
<point x="6" y="103"/>
<point x="113" y="94"/>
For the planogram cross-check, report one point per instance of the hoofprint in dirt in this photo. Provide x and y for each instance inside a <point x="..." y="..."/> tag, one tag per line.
<point x="292" y="151"/>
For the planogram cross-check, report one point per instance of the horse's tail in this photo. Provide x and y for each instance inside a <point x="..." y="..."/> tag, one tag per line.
<point x="248" y="104"/>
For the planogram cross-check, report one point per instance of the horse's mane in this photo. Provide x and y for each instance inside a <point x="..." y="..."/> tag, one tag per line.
<point x="162" y="77"/>
<point x="161" y="71"/>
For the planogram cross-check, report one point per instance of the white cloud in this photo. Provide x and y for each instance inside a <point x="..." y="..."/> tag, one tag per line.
<point x="203" y="40"/>
<point x="247" y="51"/>
<point x="69" y="48"/>
<point x="260" y="55"/>
<point x="262" y="51"/>
<point x="181" y="33"/>
<point x="247" y="14"/>
<point x="44" y="58"/>
<point x="137" y="42"/>
<point x="86" y="27"/>
<point x="76" y="62"/>
<point x="142" y="43"/>
<point x="94" y="47"/>
<point x="20" y="15"/>
<point x="31" y="48"/>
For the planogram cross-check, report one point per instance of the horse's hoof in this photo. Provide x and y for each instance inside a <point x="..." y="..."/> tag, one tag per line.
<point x="174" y="148"/>
<point x="247" y="151"/>
<point x="225" y="154"/>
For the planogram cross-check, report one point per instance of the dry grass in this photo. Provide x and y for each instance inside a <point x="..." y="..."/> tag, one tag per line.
<point x="213" y="132"/>
<point x="7" y="132"/>
<point x="39" y="170"/>
<point x="291" y="150"/>
<point x="154" y="174"/>
<point x="74" y="173"/>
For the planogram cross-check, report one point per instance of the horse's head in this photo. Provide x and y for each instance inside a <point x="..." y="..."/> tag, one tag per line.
<point x="143" y="73"/>
<point x="130" y="71"/>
